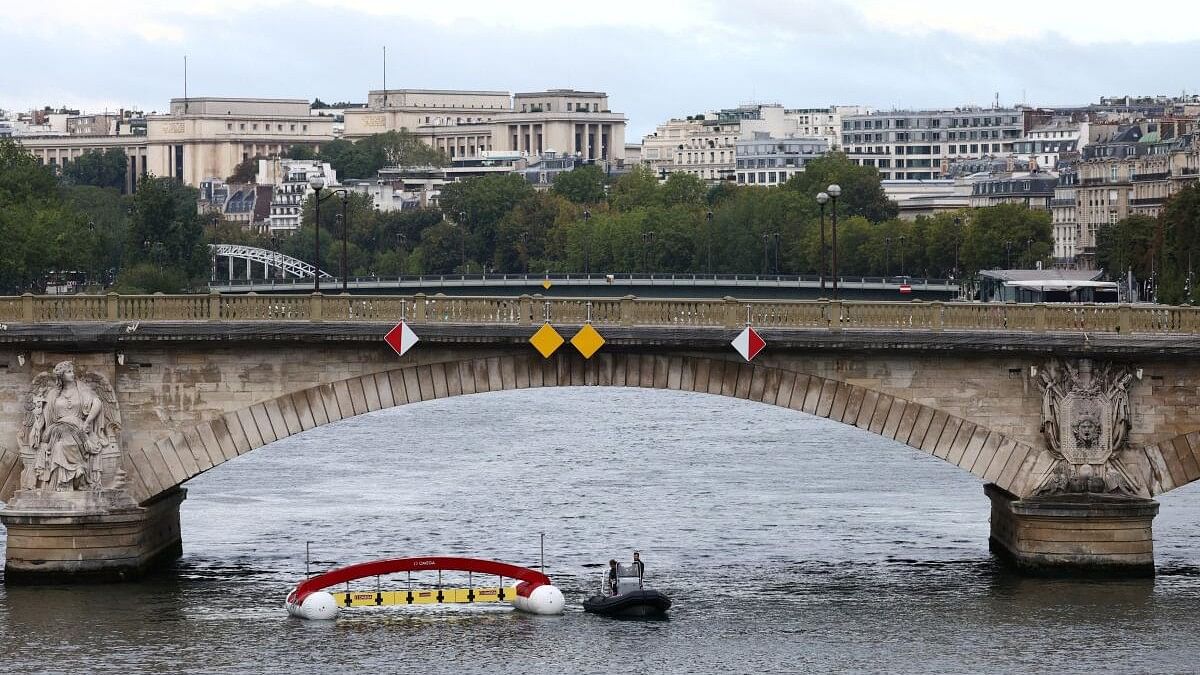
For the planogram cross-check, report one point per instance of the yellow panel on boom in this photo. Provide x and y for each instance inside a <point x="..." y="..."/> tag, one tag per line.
<point x="424" y="596"/>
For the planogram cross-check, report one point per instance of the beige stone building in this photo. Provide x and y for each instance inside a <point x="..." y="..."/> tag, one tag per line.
<point x="1133" y="171"/>
<point x="466" y="124"/>
<point x="199" y="138"/>
<point x="706" y="145"/>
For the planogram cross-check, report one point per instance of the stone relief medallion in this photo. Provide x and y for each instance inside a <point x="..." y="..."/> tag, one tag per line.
<point x="1086" y="439"/>
<point x="1086" y="421"/>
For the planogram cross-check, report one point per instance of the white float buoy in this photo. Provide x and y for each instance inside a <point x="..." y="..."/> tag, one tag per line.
<point x="317" y="606"/>
<point x="545" y="599"/>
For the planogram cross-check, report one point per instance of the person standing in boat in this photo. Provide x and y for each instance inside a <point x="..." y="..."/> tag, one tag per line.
<point x="612" y="577"/>
<point x="638" y="565"/>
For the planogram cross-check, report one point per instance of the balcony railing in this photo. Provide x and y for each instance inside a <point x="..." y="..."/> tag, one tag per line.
<point x="628" y="311"/>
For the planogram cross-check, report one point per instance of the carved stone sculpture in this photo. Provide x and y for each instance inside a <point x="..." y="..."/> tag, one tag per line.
<point x="72" y="424"/>
<point x="1086" y="421"/>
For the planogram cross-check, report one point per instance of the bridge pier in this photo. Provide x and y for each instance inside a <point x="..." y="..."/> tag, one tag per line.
<point x="1076" y="534"/>
<point x="92" y="537"/>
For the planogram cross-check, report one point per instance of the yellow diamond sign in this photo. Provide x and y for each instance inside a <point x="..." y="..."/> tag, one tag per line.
<point x="588" y="341"/>
<point x="546" y="284"/>
<point x="546" y="340"/>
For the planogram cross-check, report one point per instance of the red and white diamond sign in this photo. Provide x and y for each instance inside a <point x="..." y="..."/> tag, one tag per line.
<point x="401" y="338"/>
<point x="748" y="343"/>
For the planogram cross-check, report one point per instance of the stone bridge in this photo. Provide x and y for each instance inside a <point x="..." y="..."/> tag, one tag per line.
<point x="1074" y="416"/>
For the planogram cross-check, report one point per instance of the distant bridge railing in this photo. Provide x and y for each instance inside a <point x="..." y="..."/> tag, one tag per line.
<point x="625" y="311"/>
<point x="616" y="281"/>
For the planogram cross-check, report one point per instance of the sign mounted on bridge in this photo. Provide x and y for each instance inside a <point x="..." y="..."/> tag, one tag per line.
<point x="401" y="338"/>
<point x="905" y="289"/>
<point x="748" y="343"/>
<point x="546" y="340"/>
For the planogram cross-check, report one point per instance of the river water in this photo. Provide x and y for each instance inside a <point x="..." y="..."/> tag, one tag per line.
<point x="788" y="544"/>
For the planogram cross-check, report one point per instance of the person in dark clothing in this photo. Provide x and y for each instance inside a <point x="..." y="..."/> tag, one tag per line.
<point x="612" y="577"/>
<point x="638" y="564"/>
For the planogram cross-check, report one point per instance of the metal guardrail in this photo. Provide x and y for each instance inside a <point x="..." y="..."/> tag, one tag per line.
<point x="597" y="280"/>
<point x="625" y="311"/>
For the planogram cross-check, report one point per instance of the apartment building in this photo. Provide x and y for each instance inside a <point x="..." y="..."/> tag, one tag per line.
<point x="920" y="145"/>
<point x="1034" y="190"/>
<point x="766" y="160"/>
<point x="1064" y="218"/>
<point x="706" y="145"/>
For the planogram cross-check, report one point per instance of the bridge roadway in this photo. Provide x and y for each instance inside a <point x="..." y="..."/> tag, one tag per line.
<point x="195" y="381"/>
<point x="604" y="285"/>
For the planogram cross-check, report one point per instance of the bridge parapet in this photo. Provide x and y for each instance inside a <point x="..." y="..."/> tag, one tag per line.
<point x="627" y="311"/>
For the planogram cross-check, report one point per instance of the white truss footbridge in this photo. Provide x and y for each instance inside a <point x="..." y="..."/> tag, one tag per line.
<point x="273" y="263"/>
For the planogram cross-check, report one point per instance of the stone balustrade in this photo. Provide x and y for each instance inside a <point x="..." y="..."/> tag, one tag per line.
<point x="627" y="311"/>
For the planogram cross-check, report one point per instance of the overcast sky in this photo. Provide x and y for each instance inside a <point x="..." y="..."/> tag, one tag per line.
<point x="655" y="58"/>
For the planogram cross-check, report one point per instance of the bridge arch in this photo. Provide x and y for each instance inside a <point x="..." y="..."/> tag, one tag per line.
<point x="159" y="467"/>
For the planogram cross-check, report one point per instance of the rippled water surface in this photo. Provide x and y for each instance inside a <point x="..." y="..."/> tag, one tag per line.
<point x="788" y="544"/>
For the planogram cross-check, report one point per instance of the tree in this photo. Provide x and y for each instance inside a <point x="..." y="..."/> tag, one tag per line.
<point x="1128" y="246"/>
<point x="1179" y="253"/>
<point x="103" y="169"/>
<point x="245" y="172"/>
<point x="39" y="233"/>
<point x="1004" y="236"/>
<point x="301" y="151"/>
<point x="165" y="227"/>
<point x="637" y="188"/>
<point x="479" y="204"/>
<point x="862" y="192"/>
<point x="684" y="189"/>
<point x="582" y="185"/>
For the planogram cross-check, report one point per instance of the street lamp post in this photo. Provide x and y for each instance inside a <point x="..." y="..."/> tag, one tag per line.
<point x="766" y="246"/>
<point x="345" y="238"/>
<point x="902" y="238"/>
<point x="587" y="242"/>
<point x="274" y="256"/>
<point x="647" y="238"/>
<point x="317" y="183"/>
<point x="462" y="227"/>
<point x="777" y="237"/>
<point x="524" y="237"/>
<point x="821" y="199"/>
<point x="708" y="239"/>
<point x="887" y="259"/>
<point x="834" y="191"/>
<point x="957" y="242"/>
<point x="1008" y="254"/>
<point x="1029" y="252"/>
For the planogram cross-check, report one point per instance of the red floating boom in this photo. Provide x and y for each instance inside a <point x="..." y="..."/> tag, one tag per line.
<point x="531" y="579"/>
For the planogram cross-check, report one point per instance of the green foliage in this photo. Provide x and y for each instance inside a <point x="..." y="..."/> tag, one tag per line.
<point x="146" y="278"/>
<point x="105" y="169"/>
<point x="862" y="193"/>
<point x="245" y="172"/>
<point x="300" y="151"/>
<point x="164" y="226"/>
<point x="638" y="188"/>
<point x="366" y="157"/>
<point x="684" y="189"/>
<point x="1128" y="246"/>
<point x="582" y="185"/>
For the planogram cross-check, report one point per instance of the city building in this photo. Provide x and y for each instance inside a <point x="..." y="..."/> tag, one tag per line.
<point x="1133" y="170"/>
<point x="198" y="139"/>
<point x="466" y="124"/>
<point x="1033" y="189"/>
<point x="766" y="160"/>
<point x="920" y="145"/>
<point x="289" y="183"/>
<point x="234" y="202"/>
<point x="1064" y="218"/>
<point x="917" y="198"/>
